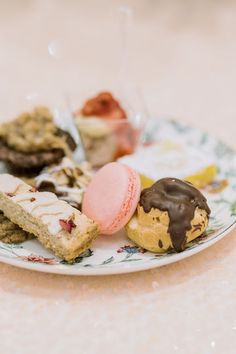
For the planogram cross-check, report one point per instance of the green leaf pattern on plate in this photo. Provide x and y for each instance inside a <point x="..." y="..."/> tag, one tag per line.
<point x="223" y="207"/>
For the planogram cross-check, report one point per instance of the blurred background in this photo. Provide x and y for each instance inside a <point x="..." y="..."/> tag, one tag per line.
<point x="180" y="53"/>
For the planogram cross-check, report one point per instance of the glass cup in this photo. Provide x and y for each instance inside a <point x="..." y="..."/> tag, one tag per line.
<point x="105" y="140"/>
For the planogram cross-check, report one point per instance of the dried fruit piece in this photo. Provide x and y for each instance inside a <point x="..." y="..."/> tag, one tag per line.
<point x="67" y="225"/>
<point x="103" y="105"/>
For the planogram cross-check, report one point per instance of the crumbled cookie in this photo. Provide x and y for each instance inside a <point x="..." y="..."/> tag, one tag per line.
<point x="12" y="233"/>
<point x="33" y="141"/>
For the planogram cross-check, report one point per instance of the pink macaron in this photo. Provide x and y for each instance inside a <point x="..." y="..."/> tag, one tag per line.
<point x="112" y="197"/>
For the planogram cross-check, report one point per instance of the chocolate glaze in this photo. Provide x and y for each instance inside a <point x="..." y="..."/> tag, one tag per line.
<point x="179" y="199"/>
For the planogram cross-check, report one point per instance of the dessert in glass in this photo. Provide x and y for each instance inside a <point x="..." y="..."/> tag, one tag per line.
<point x="108" y="130"/>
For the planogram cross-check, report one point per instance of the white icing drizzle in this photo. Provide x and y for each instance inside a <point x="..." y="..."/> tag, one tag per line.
<point x="70" y="194"/>
<point x="41" y="200"/>
<point x="42" y="205"/>
<point x="9" y="184"/>
<point x="43" y="178"/>
<point x="53" y="224"/>
<point x="57" y="177"/>
<point x="54" y="209"/>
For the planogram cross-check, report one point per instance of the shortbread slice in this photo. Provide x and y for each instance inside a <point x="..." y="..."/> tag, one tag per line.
<point x="57" y="225"/>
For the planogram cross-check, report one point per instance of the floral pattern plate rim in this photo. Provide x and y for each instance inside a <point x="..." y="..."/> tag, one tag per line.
<point x="115" y="254"/>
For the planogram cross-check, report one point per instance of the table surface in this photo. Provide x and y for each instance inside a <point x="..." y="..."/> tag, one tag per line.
<point x="182" y="55"/>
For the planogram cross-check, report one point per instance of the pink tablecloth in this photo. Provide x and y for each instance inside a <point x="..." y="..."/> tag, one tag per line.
<point x="183" y="56"/>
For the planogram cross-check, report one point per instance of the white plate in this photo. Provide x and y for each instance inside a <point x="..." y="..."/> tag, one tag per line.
<point x="116" y="254"/>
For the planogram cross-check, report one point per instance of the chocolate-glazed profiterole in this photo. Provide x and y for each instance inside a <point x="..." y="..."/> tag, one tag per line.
<point x="179" y="199"/>
<point x="169" y="215"/>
